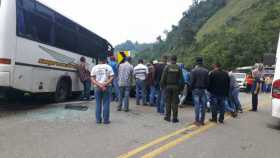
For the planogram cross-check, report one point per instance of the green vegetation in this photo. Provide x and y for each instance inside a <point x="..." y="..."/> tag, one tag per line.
<point x="232" y="32"/>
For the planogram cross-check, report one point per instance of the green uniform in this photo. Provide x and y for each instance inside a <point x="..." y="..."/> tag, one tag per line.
<point x="173" y="83"/>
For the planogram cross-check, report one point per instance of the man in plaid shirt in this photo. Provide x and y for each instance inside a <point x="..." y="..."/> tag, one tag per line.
<point x="84" y="75"/>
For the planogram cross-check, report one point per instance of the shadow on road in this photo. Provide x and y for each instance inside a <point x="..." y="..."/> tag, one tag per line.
<point x="275" y="125"/>
<point x="23" y="104"/>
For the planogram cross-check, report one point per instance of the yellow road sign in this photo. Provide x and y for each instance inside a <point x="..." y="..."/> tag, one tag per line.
<point x="122" y="55"/>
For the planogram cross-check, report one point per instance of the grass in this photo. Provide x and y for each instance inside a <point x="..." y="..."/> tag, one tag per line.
<point x="233" y="9"/>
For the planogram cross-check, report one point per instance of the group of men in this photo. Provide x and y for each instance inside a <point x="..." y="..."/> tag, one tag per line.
<point x="165" y="80"/>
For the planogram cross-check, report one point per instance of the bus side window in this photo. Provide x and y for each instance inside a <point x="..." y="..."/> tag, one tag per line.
<point x="26" y="4"/>
<point x="24" y="24"/>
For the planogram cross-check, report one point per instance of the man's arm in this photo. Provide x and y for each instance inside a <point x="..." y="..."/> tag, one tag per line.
<point x="147" y="72"/>
<point x="163" y="78"/>
<point x="192" y="79"/>
<point x="93" y="80"/>
<point x="109" y="81"/>
<point x="181" y="80"/>
<point x="210" y="81"/>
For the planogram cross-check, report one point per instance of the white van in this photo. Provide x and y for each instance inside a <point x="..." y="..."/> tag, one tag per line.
<point x="276" y="86"/>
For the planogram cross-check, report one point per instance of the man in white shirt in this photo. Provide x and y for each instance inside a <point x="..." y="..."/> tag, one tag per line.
<point x="102" y="77"/>
<point x="140" y="73"/>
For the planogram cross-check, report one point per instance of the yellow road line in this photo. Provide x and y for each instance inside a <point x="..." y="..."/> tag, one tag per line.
<point x="183" y="138"/>
<point x="177" y="141"/>
<point x="155" y="142"/>
<point x="166" y="137"/>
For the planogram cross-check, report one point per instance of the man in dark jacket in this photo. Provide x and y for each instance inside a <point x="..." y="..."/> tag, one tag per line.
<point x="151" y="83"/>
<point x="219" y="84"/>
<point x="160" y="91"/>
<point x="172" y="81"/>
<point x="199" y="84"/>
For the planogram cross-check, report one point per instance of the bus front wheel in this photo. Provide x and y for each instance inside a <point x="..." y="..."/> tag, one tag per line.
<point x="63" y="90"/>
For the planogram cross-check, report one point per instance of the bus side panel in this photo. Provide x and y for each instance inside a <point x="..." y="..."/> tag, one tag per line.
<point x="29" y="54"/>
<point x="7" y="40"/>
<point x="45" y="80"/>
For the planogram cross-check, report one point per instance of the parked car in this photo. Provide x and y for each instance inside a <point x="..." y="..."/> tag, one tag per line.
<point x="241" y="80"/>
<point x="276" y="86"/>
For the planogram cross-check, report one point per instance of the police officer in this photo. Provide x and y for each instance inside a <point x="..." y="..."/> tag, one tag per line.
<point x="173" y="82"/>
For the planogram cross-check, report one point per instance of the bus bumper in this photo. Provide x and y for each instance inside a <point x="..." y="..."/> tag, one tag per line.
<point x="276" y="108"/>
<point x="4" y="79"/>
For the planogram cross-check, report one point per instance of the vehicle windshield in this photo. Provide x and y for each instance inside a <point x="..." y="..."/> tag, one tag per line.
<point x="239" y="75"/>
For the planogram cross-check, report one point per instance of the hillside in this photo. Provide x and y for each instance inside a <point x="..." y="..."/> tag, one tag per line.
<point x="232" y="32"/>
<point x="233" y="9"/>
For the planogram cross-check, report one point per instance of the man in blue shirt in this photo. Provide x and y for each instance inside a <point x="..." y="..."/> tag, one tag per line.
<point x="116" y="88"/>
<point x="186" y="76"/>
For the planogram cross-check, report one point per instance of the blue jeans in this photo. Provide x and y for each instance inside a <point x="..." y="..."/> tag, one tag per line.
<point x="234" y="99"/>
<point x="228" y="106"/>
<point x="152" y="95"/>
<point x="102" y="101"/>
<point x="124" y="97"/>
<point x="218" y="105"/>
<point x="160" y="102"/>
<point x="86" y="92"/>
<point x="116" y="89"/>
<point x="140" y="91"/>
<point x="200" y="103"/>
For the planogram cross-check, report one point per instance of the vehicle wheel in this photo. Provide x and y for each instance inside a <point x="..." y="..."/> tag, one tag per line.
<point x="62" y="91"/>
<point x="13" y="96"/>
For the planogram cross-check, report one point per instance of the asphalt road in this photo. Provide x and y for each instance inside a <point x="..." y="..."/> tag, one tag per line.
<point x="37" y="130"/>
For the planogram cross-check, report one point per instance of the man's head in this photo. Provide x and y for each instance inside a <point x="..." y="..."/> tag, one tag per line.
<point x="217" y="66"/>
<point x="83" y="59"/>
<point x="112" y="58"/>
<point x="140" y="61"/>
<point x="103" y="60"/>
<point x="173" y="59"/>
<point x="199" y="61"/>
<point x="164" y="59"/>
<point x="128" y="59"/>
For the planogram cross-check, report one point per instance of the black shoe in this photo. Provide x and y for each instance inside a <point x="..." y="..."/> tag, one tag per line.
<point x="234" y="114"/>
<point x="167" y="119"/>
<point x="254" y="110"/>
<point x="145" y="104"/>
<point x="119" y="109"/>
<point x="126" y="110"/>
<point x="175" y="120"/>
<point x="240" y="110"/>
<point x="107" y="122"/>
<point x="197" y="123"/>
<point x="221" y="121"/>
<point x="213" y="120"/>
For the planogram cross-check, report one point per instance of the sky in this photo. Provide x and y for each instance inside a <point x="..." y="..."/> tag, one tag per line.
<point x="121" y="20"/>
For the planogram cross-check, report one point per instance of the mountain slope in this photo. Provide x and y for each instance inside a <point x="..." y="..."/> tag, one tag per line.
<point x="232" y="32"/>
<point x="233" y="9"/>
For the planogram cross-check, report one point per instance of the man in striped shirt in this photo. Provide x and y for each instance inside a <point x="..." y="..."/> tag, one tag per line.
<point x="140" y="73"/>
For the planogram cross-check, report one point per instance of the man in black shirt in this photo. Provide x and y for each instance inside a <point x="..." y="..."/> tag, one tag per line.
<point x="219" y="83"/>
<point x="199" y="84"/>
<point x="160" y="91"/>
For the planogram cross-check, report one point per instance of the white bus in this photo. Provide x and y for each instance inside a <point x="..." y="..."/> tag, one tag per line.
<point x="39" y="49"/>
